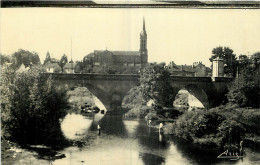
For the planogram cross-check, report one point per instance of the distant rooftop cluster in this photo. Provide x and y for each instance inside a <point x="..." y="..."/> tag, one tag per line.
<point x="197" y="69"/>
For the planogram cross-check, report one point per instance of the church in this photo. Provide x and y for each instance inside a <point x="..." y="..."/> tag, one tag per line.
<point x="107" y="58"/>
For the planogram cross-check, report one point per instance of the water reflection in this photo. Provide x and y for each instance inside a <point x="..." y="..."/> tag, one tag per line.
<point x="75" y="126"/>
<point x="110" y="125"/>
<point x="130" y="126"/>
<point x="130" y="142"/>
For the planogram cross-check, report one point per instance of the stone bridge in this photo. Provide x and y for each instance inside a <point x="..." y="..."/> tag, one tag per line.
<point x="111" y="89"/>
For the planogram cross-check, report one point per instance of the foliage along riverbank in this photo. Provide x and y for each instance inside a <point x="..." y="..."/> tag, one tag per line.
<point x="224" y="126"/>
<point x="31" y="107"/>
<point x="221" y="126"/>
<point x="31" y="110"/>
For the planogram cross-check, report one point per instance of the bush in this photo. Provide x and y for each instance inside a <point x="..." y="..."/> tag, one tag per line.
<point x="138" y="112"/>
<point x="207" y="123"/>
<point x="231" y="132"/>
<point x="133" y="99"/>
<point x="152" y="115"/>
<point x="168" y="113"/>
<point x="81" y="96"/>
<point x="221" y="126"/>
<point x="31" y="105"/>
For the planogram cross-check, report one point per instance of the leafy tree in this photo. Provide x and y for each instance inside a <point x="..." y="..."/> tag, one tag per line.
<point x="230" y="62"/>
<point x="155" y="85"/>
<point x="5" y="59"/>
<point x="243" y="63"/>
<point x="63" y="61"/>
<point x="47" y="58"/>
<point x="25" y="57"/>
<point x="236" y="94"/>
<point x="32" y="105"/>
<point x="245" y="90"/>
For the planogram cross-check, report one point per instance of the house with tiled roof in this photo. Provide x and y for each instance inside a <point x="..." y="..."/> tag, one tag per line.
<point x="69" y="67"/>
<point x="52" y="67"/>
<point x="109" y="58"/>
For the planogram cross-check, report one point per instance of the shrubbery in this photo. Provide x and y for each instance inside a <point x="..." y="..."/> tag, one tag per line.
<point x="81" y="96"/>
<point x="245" y="90"/>
<point x="218" y="126"/>
<point x="138" y="112"/>
<point x="31" y="105"/>
<point x="155" y="85"/>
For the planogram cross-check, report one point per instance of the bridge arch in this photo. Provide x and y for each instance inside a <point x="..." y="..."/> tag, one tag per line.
<point x="105" y="87"/>
<point x="191" y="95"/>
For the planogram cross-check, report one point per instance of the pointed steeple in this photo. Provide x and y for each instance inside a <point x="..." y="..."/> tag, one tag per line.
<point x="143" y="24"/>
<point x="143" y="32"/>
<point x="143" y="46"/>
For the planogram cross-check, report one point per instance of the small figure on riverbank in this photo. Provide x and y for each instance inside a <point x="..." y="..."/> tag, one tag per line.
<point x="161" y="127"/>
<point x="241" y="148"/>
<point x="160" y="137"/>
<point x="149" y="122"/>
<point x="99" y="129"/>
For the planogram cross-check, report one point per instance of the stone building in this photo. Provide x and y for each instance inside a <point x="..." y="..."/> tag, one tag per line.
<point x="107" y="58"/>
<point x="218" y="67"/>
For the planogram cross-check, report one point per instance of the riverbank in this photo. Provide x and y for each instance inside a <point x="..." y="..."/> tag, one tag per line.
<point x="12" y="154"/>
<point x="223" y="126"/>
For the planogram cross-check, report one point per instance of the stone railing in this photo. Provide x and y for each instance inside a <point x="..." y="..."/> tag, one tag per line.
<point x="190" y="79"/>
<point x="77" y="76"/>
<point x="222" y="79"/>
<point x="132" y="77"/>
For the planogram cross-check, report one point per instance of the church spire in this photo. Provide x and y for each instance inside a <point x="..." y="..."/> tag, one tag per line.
<point x="143" y="46"/>
<point x="143" y="24"/>
<point x="143" y="32"/>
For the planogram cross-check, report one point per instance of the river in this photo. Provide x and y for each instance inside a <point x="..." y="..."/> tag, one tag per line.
<point x="133" y="142"/>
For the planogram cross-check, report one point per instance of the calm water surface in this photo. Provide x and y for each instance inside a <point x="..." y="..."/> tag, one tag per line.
<point x="133" y="142"/>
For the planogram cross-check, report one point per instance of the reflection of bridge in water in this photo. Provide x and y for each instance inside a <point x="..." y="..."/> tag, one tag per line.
<point x="111" y="89"/>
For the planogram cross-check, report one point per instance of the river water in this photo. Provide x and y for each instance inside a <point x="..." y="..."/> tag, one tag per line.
<point x="125" y="142"/>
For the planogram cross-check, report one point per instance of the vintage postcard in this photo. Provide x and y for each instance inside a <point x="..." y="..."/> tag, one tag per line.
<point x="130" y="82"/>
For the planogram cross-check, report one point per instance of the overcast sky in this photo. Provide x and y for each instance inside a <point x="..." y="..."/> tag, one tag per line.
<point x="180" y="35"/>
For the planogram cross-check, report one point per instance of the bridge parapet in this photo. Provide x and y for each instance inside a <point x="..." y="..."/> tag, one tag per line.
<point x="190" y="79"/>
<point x="222" y="79"/>
<point x="134" y="77"/>
<point x="65" y="76"/>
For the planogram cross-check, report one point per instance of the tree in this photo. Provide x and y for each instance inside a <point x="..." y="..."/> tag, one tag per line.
<point x="243" y="62"/>
<point x="155" y="85"/>
<point x="25" y="57"/>
<point x="5" y="59"/>
<point x="47" y="58"/>
<point x="245" y="90"/>
<point x="32" y="105"/>
<point x="63" y="61"/>
<point x="236" y="94"/>
<point x="230" y="62"/>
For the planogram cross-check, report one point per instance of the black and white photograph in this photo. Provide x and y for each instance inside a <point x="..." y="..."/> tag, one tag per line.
<point x="130" y="85"/>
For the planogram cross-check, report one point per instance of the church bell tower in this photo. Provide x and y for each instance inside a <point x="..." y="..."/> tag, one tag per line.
<point x="143" y="46"/>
